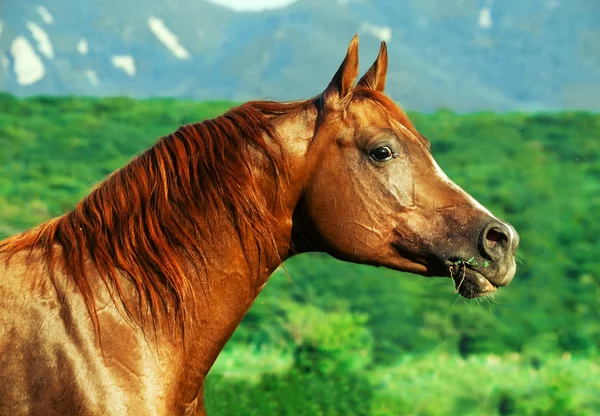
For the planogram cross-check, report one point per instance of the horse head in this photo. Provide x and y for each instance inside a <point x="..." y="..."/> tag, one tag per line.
<point x="377" y="196"/>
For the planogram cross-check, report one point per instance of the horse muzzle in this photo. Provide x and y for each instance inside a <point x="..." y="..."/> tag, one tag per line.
<point x="491" y="265"/>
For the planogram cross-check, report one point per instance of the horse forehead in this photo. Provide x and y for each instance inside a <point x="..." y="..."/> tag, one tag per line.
<point x="371" y="114"/>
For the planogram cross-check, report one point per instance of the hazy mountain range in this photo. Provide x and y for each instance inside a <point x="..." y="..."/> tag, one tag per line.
<point x="462" y="54"/>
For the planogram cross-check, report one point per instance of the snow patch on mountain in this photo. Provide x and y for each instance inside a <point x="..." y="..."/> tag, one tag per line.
<point x="46" y="15"/>
<point x="82" y="46"/>
<point x="167" y="38"/>
<point x="252" y="5"/>
<point x="485" y="18"/>
<point x="124" y="63"/>
<point x="42" y="38"/>
<point x="383" y="33"/>
<point x="92" y="76"/>
<point x="28" y="66"/>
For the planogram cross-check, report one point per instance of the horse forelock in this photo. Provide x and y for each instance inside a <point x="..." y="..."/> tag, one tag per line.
<point x="149" y="221"/>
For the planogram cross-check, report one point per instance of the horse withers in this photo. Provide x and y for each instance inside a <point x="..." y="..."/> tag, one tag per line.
<point x="121" y="306"/>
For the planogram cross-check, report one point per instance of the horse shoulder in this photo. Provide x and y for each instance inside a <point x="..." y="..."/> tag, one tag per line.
<point x="50" y="361"/>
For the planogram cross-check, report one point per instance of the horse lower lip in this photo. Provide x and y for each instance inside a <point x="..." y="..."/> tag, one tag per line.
<point x="486" y="285"/>
<point x="472" y="284"/>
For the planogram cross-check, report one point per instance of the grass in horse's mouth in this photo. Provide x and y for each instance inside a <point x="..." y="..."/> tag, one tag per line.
<point x="455" y="270"/>
<point x="458" y="270"/>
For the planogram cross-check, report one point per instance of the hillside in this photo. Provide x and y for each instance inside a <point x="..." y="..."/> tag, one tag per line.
<point x="461" y="54"/>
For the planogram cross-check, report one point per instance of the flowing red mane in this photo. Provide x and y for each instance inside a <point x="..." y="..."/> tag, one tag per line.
<point x="142" y="222"/>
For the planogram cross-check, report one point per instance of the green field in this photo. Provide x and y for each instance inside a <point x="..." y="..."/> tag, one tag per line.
<point x="331" y="338"/>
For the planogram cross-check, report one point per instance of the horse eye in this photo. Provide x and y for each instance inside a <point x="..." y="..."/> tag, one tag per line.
<point x="382" y="154"/>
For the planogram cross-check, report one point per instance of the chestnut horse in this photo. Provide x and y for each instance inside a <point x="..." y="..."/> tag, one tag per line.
<point x="121" y="306"/>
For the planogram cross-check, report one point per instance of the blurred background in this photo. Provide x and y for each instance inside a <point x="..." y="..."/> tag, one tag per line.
<point x="508" y="92"/>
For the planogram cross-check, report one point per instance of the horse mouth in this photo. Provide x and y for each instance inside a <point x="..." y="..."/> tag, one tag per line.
<point x="468" y="282"/>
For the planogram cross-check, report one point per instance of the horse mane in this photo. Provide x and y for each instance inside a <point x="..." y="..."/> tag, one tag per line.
<point x="147" y="223"/>
<point x="141" y="223"/>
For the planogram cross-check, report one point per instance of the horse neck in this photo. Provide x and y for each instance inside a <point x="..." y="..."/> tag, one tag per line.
<point x="296" y="132"/>
<point x="237" y="275"/>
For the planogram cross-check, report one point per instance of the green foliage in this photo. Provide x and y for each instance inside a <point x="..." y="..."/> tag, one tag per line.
<point x="292" y="394"/>
<point x="320" y="318"/>
<point x="328" y="341"/>
<point x="53" y="150"/>
<point x="430" y="385"/>
<point x="250" y="362"/>
<point x="329" y="352"/>
<point x="442" y="384"/>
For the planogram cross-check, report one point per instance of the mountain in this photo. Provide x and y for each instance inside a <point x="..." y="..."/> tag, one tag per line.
<point x="465" y="55"/>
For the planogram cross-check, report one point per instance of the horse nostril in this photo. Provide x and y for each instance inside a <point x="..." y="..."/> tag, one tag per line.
<point x="495" y="237"/>
<point x="495" y="241"/>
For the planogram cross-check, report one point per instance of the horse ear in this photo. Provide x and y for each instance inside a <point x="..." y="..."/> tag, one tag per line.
<point x="374" y="78"/>
<point x="341" y="85"/>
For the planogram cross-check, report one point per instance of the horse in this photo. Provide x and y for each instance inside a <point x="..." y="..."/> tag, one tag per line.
<point x="122" y="305"/>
